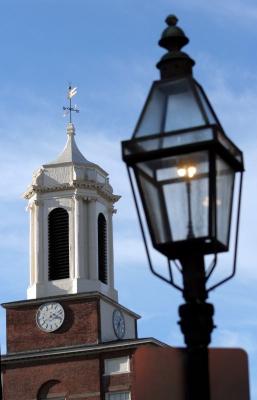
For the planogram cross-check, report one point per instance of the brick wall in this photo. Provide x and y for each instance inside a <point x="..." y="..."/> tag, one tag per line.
<point x="79" y="378"/>
<point x="81" y="326"/>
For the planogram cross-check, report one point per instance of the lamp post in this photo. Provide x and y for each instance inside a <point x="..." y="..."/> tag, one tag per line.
<point x="184" y="167"/>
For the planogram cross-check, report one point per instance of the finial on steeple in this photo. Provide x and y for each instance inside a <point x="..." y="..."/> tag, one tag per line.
<point x="175" y="63"/>
<point x="68" y="110"/>
<point x="70" y="129"/>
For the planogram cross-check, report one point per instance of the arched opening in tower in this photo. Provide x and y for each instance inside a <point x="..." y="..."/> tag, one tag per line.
<point x="58" y="244"/>
<point x="102" y="249"/>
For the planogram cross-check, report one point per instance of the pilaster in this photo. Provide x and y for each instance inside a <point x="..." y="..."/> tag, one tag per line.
<point x="92" y="239"/>
<point x="110" y="246"/>
<point x="79" y="237"/>
<point x="38" y="226"/>
<point x="31" y="244"/>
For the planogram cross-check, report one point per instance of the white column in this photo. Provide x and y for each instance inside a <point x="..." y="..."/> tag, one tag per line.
<point x="38" y="229"/>
<point x="31" y="245"/>
<point x="92" y="240"/>
<point x="78" y="236"/>
<point x="110" y="247"/>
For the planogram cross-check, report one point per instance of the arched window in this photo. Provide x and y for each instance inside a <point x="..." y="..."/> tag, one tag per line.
<point x="58" y="244"/>
<point x="102" y="249"/>
<point x="53" y="390"/>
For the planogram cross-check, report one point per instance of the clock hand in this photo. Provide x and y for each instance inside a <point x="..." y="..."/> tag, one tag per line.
<point x="57" y="316"/>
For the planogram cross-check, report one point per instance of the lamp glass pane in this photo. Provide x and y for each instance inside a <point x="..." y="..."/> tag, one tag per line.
<point x="172" y="106"/>
<point x="175" y="195"/>
<point x="153" y="202"/>
<point x="225" y="176"/>
<point x="211" y="117"/>
<point x="182" y="110"/>
<point x="151" y="119"/>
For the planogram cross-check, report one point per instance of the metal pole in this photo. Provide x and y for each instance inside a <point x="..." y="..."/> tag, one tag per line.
<point x="1" y="388"/>
<point x="190" y="233"/>
<point x="196" y="324"/>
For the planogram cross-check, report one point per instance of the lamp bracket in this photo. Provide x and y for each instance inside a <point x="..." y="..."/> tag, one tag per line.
<point x="236" y="243"/>
<point x="169" y="280"/>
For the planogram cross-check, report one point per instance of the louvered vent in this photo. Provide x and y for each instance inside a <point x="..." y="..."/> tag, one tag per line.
<point x="102" y="249"/>
<point x="58" y="244"/>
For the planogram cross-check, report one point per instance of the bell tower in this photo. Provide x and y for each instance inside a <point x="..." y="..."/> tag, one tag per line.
<point x="71" y="204"/>
<point x="70" y="334"/>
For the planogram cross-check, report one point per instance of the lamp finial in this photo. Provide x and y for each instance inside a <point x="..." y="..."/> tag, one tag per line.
<point x="171" y="20"/>
<point x="175" y="63"/>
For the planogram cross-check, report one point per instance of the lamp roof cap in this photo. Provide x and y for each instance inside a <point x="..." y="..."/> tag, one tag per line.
<point x="175" y="63"/>
<point x="173" y="37"/>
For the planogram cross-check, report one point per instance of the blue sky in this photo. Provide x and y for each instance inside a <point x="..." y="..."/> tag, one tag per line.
<point x="109" y="50"/>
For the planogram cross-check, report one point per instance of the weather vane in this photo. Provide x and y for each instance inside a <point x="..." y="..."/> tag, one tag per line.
<point x="68" y="110"/>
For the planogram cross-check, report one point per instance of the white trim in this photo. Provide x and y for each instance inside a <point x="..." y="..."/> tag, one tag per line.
<point x="117" y="365"/>
<point x="115" y="395"/>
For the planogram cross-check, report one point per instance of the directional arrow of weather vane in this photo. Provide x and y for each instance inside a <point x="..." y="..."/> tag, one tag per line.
<point x="68" y="110"/>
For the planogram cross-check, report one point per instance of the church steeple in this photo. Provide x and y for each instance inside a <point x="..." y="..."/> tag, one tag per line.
<point x="71" y="205"/>
<point x="71" y="152"/>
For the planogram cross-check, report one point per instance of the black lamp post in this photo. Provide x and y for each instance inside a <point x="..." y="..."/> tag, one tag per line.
<point x="184" y="167"/>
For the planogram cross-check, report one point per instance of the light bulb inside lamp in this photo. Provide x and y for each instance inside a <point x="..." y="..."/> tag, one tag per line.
<point x="187" y="171"/>
<point x="191" y="171"/>
<point x="181" y="172"/>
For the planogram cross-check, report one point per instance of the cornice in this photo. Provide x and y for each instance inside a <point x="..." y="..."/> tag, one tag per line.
<point x="98" y="187"/>
<point x="75" y="351"/>
<point x="67" y="297"/>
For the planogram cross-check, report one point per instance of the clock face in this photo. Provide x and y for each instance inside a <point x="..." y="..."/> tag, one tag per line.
<point x="50" y="317"/>
<point x="118" y="324"/>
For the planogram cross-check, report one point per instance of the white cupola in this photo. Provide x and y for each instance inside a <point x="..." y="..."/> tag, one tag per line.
<point x="71" y="236"/>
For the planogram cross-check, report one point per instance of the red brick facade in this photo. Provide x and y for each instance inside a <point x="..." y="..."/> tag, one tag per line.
<point x="77" y="372"/>
<point x="73" y="377"/>
<point x="67" y="363"/>
<point x="81" y="326"/>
